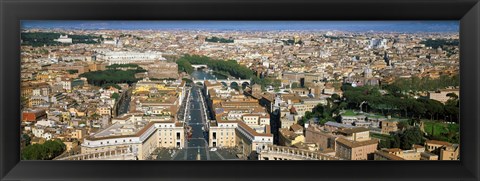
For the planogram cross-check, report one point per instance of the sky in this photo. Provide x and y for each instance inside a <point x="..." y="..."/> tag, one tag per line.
<point x="355" y="26"/>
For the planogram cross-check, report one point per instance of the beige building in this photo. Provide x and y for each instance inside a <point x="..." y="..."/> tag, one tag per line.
<point x="413" y="154"/>
<point x="237" y="134"/>
<point x="445" y="150"/>
<point x="355" y="150"/>
<point x="428" y="156"/>
<point x="141" y="137"/>
<point x="274" y="152"/>
<point x="355" y="144"/>
<point x="382" y="155"/>
<point x="104" y="110"/>
<point x="287" y="137"/>
<point x="240" y="122"/>
<point x="389" y="126"/>
<point x="323" y="139"/>
<point x="78" y="134"/>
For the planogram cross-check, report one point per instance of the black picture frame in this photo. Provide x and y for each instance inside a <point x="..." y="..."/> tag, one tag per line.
<point x="12" y="11"/>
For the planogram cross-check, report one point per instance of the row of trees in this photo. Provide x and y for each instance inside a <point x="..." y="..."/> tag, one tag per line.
<point x="46" y="151"/>
<point x="416" y="84"/>
<point x="87" y="39"/>
<point x="230" y="66"/>
<point x="292" y="42"/>
<point x="116" y="66"/>
<point x="72" y="71"/>
<point x="37" y="39"/>
<point x="112" y="76"/>
<point x="115" y="96"/>
<point x="184" y="65"/>
<point x="218" y="40"/>
<point x="325" y="113"/>
<point x="400" y="104"/>
<point x="442" y="43"/>
<point x="404" y="140"/>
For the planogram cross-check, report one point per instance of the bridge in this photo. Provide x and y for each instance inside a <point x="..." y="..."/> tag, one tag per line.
<point x="274" y="152"/>
<point x="227" y="81"/>
<point x="118" y="154"/>
<point x="199" y="66"/>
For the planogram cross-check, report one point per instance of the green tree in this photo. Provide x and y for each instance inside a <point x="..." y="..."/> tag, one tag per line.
<point x="54" y="148"/>
<point x="402" y="125"/>
<point x="107" y="85"/>
<point x="115" y="96"/>
<point x="184" y="66"/>
<point x="411" y="136"/>
<point x="295" y="85"/>
<point x="218" y="40"/>
<point x="277" y="83"/>
<point x="46" y="151"/>
<point x="396" y="141"/>
<point x="112" y="76"/>
<point x="385" y="143"/>
<point x="27" y="139"/>
<point x="35" y="152"/>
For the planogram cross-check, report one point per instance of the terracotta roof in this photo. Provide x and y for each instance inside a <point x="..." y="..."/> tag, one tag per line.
<point x="248" y="128"/>
<point x="388" y="156"/>
<point x="418" y="146"/>
<point x="436" y="142"/>
<point x="393" y="150"/>
<point x="354" y="144"/>
<point x="296" y="127"/>
<point x="352" y="130"/>
<point x="137" y="134"/>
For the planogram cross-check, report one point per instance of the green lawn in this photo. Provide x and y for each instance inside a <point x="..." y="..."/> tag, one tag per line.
<point x="349" y="113"/>
<point x="437" y="128"/>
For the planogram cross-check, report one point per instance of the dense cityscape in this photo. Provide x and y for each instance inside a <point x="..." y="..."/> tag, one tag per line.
<point x="97" y="91"/>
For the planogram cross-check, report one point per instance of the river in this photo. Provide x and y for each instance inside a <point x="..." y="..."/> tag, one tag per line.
<point x="200" y="75"/>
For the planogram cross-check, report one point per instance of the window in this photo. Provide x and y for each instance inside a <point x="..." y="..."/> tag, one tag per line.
<point x="101" y="143"/>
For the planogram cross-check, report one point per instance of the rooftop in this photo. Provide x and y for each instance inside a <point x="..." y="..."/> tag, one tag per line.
<point x="354" y="144"/>
<point x="352" y="130"/>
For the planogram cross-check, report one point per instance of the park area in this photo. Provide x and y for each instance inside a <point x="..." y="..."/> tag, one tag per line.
<point x="442" y="131"/>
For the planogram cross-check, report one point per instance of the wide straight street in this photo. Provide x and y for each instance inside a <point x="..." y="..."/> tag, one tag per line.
<point x="197" y="145"/>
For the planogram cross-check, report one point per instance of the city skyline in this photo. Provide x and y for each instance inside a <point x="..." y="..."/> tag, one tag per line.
<point x="240" y="90"/>
<point x="351" y="26"/>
